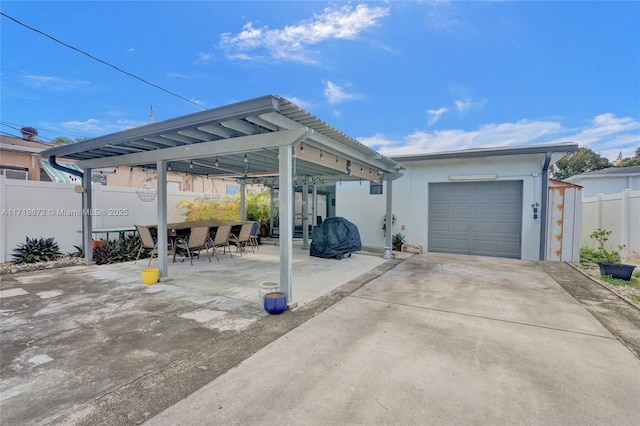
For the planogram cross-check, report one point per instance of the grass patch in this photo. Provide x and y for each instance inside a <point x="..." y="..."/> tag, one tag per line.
<point x="633" y="282"/>
<point x="635" y="298"/>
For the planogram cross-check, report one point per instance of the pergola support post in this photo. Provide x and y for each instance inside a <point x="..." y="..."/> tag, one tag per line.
<point x="305" y="215"/>
<point x="243" y="201"/>
<point x="389" y="214"/>
<point x="286" y="226"/>
<point x="161" y="204"/>
<point x="87" y="241"/>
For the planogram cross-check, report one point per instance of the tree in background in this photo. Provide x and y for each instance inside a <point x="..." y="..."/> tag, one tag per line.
<point x="630" y="162"/>
<point x="585" y="160"/>
<point x="63" y="140"/>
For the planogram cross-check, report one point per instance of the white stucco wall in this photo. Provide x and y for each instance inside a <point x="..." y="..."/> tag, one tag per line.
<point x="593" y="185"/>
<point x="411" y="195"/>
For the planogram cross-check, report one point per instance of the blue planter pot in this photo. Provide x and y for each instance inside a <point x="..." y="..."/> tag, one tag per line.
<point x="616" y="270"/>
<point x="275" y="303"/>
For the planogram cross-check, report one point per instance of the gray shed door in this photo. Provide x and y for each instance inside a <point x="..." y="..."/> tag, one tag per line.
<point x="481" y="218"/>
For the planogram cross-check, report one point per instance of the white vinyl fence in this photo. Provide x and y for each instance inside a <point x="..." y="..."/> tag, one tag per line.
<point x="619" y="213"/>
<point x="47" y="209"/>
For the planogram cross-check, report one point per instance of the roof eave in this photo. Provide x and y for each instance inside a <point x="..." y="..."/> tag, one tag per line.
<point x="567" y="147"/>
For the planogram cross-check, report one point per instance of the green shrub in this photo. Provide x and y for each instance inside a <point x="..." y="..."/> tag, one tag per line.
<point x="600" y="253"/>
<point x="37" y="250"/>
<point x="116" y="251"/>
<point x="397" y="241"/>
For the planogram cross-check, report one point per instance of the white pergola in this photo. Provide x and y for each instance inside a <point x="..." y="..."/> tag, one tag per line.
<point x="263" y="140"/>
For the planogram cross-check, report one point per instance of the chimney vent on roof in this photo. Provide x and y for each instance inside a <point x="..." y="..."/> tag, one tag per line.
<point x="29" y="133"/>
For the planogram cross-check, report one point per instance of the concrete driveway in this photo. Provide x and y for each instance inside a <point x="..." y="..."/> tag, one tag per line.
<point x="440" y="339"/>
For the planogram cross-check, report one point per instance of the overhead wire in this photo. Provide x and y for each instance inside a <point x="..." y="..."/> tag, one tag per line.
<point x="101" y="61"/>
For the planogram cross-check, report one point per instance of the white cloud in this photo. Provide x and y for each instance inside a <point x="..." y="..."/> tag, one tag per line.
<point x="336" y="94"/>
<point x="300" y="102"/>
<point x="205" y="57"/>
<point x="435" y="114"/>
<point x="54" y="83"/>
<point x="291" y="42"/>
<point x="463" y="105"/>
<point x="605" y="134"/>
<point x="95" y="127"/>
<point x="131" y="49"/>
<point x="177" y="75"/>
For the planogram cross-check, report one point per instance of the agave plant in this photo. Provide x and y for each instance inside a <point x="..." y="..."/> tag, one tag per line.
<point x="37" y="250"/>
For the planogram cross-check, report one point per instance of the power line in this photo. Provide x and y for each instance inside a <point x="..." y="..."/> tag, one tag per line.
<point x="101" y="61"/>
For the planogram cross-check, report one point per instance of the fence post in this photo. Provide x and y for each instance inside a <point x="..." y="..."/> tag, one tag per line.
<point x="3" y="219"/>
<point x="599" y="211"/>
<point x="626" y="215"/>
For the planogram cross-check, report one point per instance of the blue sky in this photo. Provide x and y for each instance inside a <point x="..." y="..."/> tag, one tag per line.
<point x="401" y="77"/>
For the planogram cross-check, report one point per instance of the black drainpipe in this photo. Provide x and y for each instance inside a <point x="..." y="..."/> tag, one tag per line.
<point x="52" y="161"/>
<point x="543" y="205"/>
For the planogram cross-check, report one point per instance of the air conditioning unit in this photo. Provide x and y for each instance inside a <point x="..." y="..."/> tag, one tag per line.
<point x="15" y="174"/>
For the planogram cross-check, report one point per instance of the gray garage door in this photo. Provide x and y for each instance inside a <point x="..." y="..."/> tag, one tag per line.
<point x="481" y="218"/>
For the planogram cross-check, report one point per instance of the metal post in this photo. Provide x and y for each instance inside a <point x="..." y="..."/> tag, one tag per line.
<point x="286" y="223"/>
<point x="389" y="214"/>
<point x="243" y="202"/>
<point x="87" y="241"/>
<point x="161" y="204"/>
<point x="305" y="215"/>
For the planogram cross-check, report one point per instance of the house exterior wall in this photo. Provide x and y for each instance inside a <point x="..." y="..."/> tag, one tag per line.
<point x="27" y="160"/>
<point x="593" y="186"/>
<point x="411" y="194"/>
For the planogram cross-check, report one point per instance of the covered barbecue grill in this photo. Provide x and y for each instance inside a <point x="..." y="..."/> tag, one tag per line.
<point x="335" y="237"/>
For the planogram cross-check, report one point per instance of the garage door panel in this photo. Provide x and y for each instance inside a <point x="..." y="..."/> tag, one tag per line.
<point x="440" y="226"/>
<point x="483" y="208"/>
<point x="483" y="218"/>
<point x="439" y="208"/>
<point x="461" y="208"/>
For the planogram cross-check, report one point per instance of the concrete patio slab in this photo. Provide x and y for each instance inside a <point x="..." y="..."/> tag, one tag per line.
<point x="77" y="335"/>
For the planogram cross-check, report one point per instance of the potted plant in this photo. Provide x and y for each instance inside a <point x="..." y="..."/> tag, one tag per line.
<point x="258" y="209"/>
<point x="609" y="260"/>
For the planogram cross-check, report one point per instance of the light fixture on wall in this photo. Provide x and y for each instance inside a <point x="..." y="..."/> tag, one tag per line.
<point x="216" y="163"/>
<point x="473" y="177"/>
<point x="168" y="167"/>
<point x="191" y="165"/>
<point x="301" y="148"/>
<point x="246" y="159"/>
<point x="321" y="156"/>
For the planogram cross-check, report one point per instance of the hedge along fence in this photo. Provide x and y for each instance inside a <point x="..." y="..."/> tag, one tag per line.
<point x="46" y="209"/>
<point x="619" y="213"/>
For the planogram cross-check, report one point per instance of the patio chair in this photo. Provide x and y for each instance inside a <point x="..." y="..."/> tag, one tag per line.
<point x="254" y="238"/>
<point x="221" y="240"/>
<point x="242" y="238"/>
<point x="148" y="242"/>
<point x="198" y="240"/>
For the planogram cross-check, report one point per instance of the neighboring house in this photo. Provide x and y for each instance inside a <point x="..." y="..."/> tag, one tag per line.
<point x="607" y="181"/>
<point x="20" y="159"/>
<point x="491" y="202"/>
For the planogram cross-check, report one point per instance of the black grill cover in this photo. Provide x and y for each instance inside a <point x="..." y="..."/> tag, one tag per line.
<point x="335" y="237"/>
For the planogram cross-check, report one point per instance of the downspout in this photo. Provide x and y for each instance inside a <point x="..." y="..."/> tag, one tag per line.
<point x="52" y="161"/>
<point x="543" y="205"/>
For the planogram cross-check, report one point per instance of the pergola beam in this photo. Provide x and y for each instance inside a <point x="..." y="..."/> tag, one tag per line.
<point x="204" y="149"/>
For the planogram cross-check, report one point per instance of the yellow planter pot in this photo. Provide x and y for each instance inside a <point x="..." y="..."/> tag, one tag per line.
<point x="150" y="276"/>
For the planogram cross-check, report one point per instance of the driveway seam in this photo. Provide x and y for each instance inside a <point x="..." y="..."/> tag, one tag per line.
<point x="611" y="337"/>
